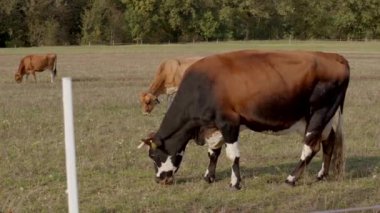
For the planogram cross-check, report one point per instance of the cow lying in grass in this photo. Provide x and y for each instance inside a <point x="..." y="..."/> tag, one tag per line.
<point x="31" y="64"/>
<point x="261" y="91"/>
<point x="166" y="81"/>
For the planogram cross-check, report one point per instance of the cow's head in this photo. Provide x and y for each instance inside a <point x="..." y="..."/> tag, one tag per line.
<point x="18" y="77"/>
<point x="165" y="165"/>
<point x="148" y="101"/>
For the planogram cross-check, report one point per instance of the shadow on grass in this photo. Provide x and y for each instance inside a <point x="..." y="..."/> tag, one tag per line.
<point x="356" y="167"/>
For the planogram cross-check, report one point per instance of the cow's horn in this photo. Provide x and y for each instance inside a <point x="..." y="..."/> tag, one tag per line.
<point x="141" y="145"/>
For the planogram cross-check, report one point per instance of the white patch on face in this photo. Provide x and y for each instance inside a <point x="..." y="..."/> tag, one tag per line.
<point x="306" y="152"/>
<point x="291" y="178"/>
<point x="232" y="150"/>
<point x="167" y="166"/>
<point x="233" y="178"/>
<point x="215" y="141"/>
<point x="320" y="173"/>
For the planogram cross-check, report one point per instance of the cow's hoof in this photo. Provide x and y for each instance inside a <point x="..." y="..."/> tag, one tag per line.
<point x="235" y="187"/>
<point x="321" y="178"/>
<point x="290" y="183"/>
<point x="209" y="179"/>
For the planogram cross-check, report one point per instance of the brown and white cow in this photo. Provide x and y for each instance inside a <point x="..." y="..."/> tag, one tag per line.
<point x="31" y="64"/>
<point x="166" y="81"/>
<point x="262" y="91"/>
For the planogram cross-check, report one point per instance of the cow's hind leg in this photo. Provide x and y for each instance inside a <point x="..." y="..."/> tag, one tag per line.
<point x="213" y="155"/>
<point x="310" y="148"/>
<point x="327" y="147"/>
<point x="34" y="77"/>
<point x="312" y="142"/>
<point x="324" y="103"/>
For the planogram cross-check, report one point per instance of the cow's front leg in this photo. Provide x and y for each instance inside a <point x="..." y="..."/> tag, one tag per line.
<point x="233" y="153"/>
<point x="213" y="155"/>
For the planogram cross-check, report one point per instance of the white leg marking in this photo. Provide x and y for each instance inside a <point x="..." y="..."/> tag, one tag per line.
<point x="308" y="133"/>
<point x="166" y="166"/>
<point x="232" y="150"/>
<point x="210" y="151"/>
<point x="206" y="173"/>
<point x="322" y="171"/>
<point x="234" y="179"/>
<point x="291" y="178"/>
<point x="306" y="152"/>
<point x="215" y="141"/>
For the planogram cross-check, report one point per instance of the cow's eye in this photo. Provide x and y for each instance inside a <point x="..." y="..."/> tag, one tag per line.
<point x="152" y="155"/>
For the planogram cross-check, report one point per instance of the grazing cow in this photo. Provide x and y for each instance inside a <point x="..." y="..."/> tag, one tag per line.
<point x="168" y="77"/>
<point x="262" y="91"/>
<point x="31" y="64"/>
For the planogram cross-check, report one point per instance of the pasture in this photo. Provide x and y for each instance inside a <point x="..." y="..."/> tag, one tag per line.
<point x="114" y="176"/>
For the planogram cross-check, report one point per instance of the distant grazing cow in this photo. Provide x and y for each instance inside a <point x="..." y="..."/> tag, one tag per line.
<point x="37" y="63"/>
<point x="166" y="81"/>
<point x="262" y="91"/>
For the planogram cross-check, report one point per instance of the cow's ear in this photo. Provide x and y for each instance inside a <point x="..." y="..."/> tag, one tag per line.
<point x="142" y="96"/>
<point x="147" y="142"/>
<point x="151" y="141"/>
<point x="147" y="98"/>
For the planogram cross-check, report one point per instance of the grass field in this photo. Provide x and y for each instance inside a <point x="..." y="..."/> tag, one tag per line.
<point x="116" y="177"/>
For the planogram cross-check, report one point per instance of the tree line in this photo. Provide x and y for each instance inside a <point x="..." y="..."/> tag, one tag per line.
<point x="73" y="22"/>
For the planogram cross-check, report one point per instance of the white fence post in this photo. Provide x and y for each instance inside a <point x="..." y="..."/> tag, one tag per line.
<point x="71" y="175"/>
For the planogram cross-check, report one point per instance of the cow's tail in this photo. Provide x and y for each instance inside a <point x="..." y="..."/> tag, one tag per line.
<point x="338" y="162"/>
<point x="339" y="152"/>
<point x="55" y="67"/>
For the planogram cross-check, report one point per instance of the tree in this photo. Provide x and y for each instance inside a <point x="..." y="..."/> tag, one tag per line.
<point x="12" y="25"/>
<point x="208" y="25"/>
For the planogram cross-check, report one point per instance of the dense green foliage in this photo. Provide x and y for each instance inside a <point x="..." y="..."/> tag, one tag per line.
<point x="67" y="22"/>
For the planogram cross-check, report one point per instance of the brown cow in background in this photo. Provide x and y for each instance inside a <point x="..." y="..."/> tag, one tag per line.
<point x="31" y="64"/>
<point x="166" y="81"/>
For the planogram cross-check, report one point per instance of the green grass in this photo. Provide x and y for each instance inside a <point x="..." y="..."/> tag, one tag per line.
<point x="116" y="177"/>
